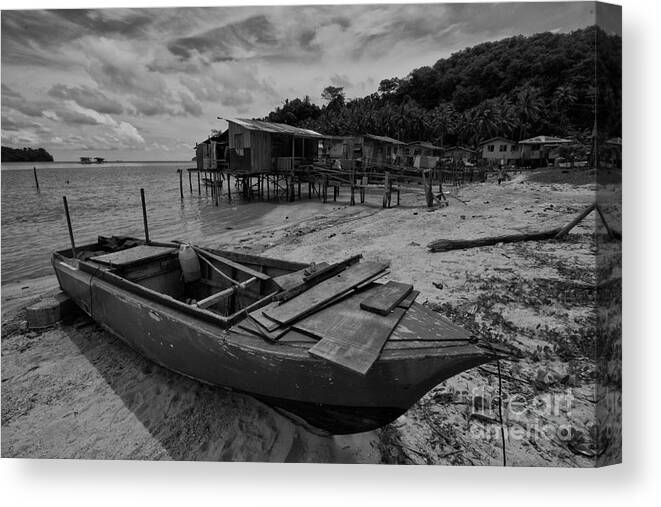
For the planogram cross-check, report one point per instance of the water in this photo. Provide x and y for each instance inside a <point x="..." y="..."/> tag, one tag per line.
<point x="103" y="200"/>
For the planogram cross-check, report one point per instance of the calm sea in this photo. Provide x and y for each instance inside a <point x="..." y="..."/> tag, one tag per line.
<point x="103" y="200"/>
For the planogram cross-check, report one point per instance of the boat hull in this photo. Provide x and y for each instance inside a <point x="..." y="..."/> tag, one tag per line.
<point x="280" y="374"/>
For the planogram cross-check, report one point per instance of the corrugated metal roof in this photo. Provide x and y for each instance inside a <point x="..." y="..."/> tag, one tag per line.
<point x="497" y="138"/>
<point x="274" y="128"/>
<point x="383" y="139"/>
<point x="545" y="140"/>
<point x="463" y="148"/>
<point x="425" y="144"/>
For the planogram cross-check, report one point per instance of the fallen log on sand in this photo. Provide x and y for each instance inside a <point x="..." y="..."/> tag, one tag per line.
<point x="444" y="245"/>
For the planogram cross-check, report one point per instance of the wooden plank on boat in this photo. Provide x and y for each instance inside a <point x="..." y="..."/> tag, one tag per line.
<point x="386" y="297"/>
<point x="423" y="324"/>
<point x="290" y="280"/>
<point x="317" y="277"/>
<point x="350" y="337"/>
<point x="258" y="316"/>
<point x="214" y="298"/>
<point x="408" y="300"/>
<point x="324" y="292"/>
<point x="251" y="326"/>
<point x="231" y="263"/>
<point x="139" y="253"/>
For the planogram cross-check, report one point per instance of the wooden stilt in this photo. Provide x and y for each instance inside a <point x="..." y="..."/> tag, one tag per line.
<point x="386" y="184"/>
<point x="352" y="200"/>
<point x="181" y="182"/>
<point x="36" y="180"/>
<point x="217" y="177"/>
<point x="199" y="190"/>
<point x="190" y="182"/>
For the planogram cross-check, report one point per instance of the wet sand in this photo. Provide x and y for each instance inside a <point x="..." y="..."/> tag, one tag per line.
<point x="74" y="391"/>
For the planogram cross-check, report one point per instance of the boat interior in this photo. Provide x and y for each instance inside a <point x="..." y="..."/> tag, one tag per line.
<point x="230" y="282"/>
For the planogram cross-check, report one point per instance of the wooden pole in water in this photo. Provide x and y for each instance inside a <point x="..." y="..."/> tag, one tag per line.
<point x="181" y="182"/>
<point x="36" y="180"/>
<point x="199" y="190"/>
<point x="386" y="183"/>
<point x="66" y="212"/>
<point x="190" y="183"/>
<point x="229" y="188"/>
<point x="144" y="214"/>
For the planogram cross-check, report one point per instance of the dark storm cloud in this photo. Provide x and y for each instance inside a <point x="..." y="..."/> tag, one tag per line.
<point x="99" y="22"/>
<point x="226" y="43"/>
<point x="87" y="97"/>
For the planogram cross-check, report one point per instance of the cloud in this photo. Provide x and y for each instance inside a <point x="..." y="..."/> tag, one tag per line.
<point x="340" y="80"/>
<point x="136" y="78"/>
<point x="190" y="105"/>
<point x="87" y="97"/>
<point x="229" y="42"/>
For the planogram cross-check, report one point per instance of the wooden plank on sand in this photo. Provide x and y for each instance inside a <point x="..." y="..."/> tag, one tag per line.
<point x="386" y="297"/>
<point x="408" y="300"/>
<point x="315" y="297"/>
<point x="350" y="337"/>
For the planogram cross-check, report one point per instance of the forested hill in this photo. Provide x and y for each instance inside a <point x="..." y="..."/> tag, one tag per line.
<point x="25" y="155"/>
<point x="516" y="87"/>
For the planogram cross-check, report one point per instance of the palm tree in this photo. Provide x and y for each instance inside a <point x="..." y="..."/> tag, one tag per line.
<point x="563" y="98"/>
<point x="528" y="105"/>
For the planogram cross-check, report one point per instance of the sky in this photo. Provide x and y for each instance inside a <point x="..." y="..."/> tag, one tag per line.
<point x="146" y="84"/>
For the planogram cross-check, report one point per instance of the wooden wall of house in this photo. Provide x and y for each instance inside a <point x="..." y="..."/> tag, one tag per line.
<point x="260" y="147"/>
<point x="240" y="156"/>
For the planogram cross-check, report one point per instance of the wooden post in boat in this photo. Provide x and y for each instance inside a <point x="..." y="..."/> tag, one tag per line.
<point x="144" y="214"/>
<point x="36" y="180"/>
<point x="66" y="212"/>
<point x="181" y="182"/>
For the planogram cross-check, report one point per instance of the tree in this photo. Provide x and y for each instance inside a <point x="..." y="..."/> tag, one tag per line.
<point x="528" y="105"/>
<point x="334" y="95"/>
<point x="388" y="86"/>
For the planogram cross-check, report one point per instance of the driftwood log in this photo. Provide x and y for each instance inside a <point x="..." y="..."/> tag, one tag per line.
<point x="444" y="245"/>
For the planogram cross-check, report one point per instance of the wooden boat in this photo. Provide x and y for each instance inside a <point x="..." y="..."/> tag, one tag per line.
<point x="135" y="291"/>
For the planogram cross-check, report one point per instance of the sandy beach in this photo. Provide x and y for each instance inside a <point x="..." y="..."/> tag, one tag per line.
<point x="74" y="391"/>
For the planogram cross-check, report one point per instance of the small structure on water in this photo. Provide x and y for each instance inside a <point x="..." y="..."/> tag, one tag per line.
<point x="85" y="160"/>
<point x="257" y="147"/>
<point x="211" y="154"/>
